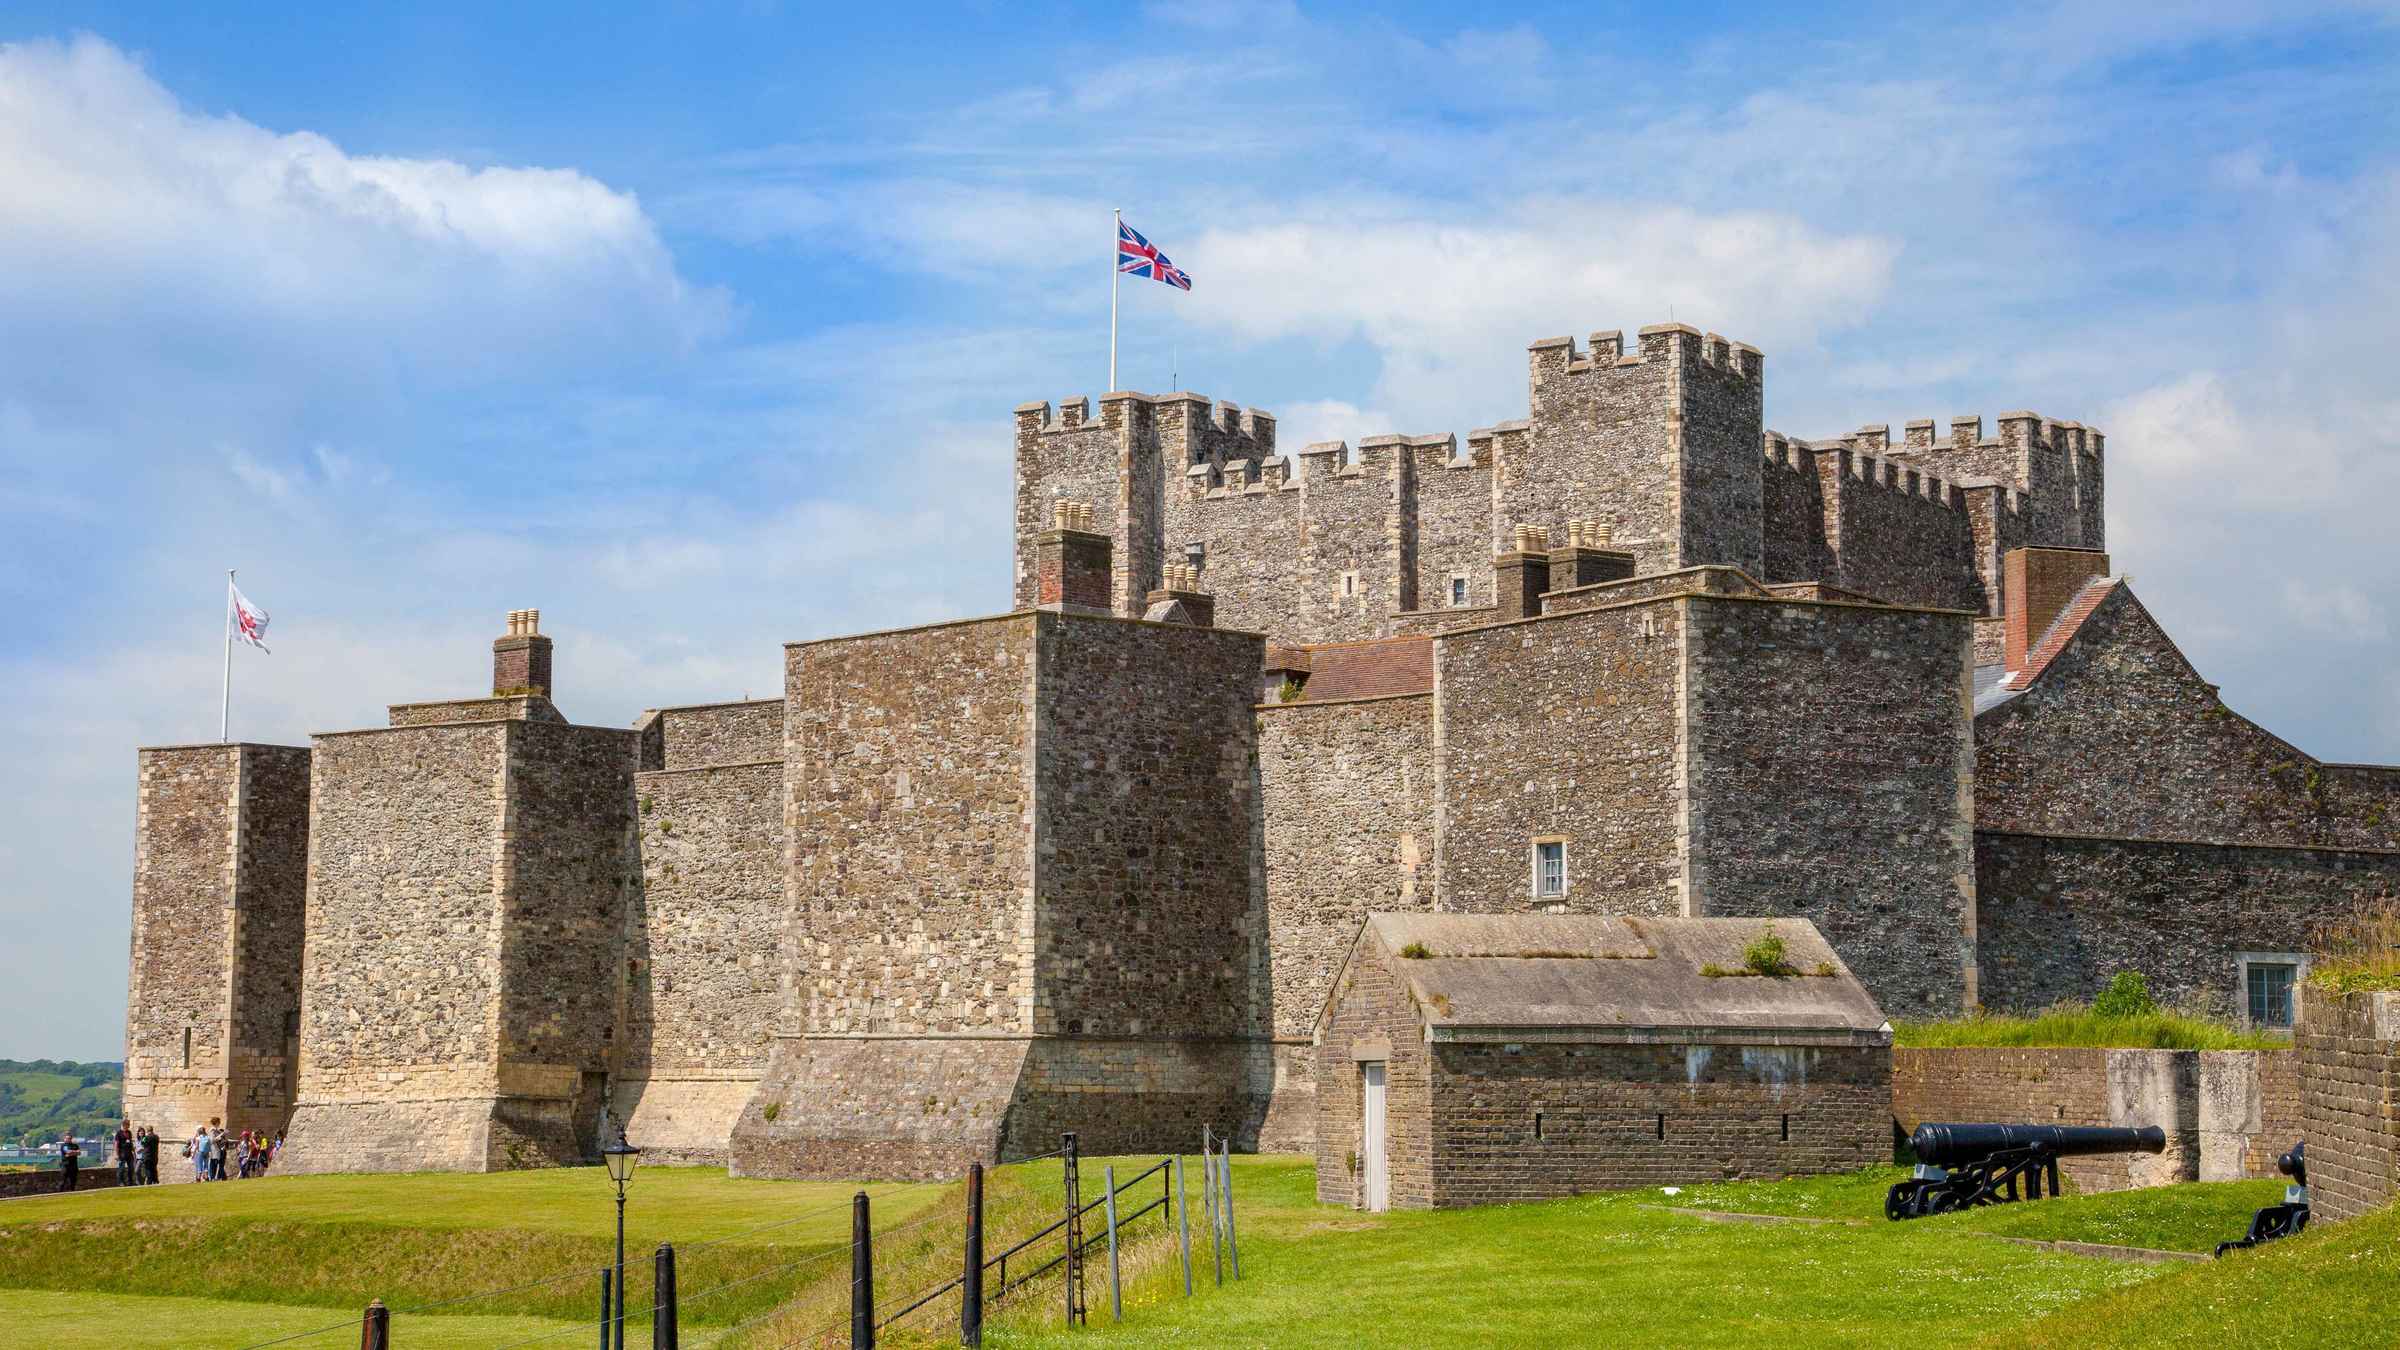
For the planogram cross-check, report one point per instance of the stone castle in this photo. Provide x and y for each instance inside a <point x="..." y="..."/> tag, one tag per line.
<point x="1091" y="864"/>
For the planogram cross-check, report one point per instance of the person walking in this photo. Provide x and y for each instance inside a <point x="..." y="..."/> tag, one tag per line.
<point x="146" y="1164"/>
<point x="218" y="1146"/>
<point x="124" y="1143"/>
<point x="70" y="1158"/>
<point x="198" y="1148"/>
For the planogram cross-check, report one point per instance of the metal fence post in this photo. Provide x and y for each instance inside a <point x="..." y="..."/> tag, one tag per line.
<point x="1183" y="1222"/>
<point x="862" y="1276"/>
<point x="604" y="1308"/>
<point x="1233" y="1248"/>
<point x="1208" y="1202"/>
<point x="970" y="1294"/>
<point x="1116" y="1297"/>
<point x="375" y="1329"/>
<point x="1074" y="1233"/>
<point x="663" y="1332"/>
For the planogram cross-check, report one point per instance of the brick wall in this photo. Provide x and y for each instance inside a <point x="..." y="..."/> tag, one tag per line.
<point x="2350" y="1100"/>
<point x="1613" y="1116"/>
<point x="2227" y="1114"/>
<point x="1372" y="1018"/>
<point x="1830" y="776"/>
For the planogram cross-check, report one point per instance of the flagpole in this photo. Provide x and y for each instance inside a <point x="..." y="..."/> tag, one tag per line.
<point x="225" y="704"/>
<point x="1115" y="279"/>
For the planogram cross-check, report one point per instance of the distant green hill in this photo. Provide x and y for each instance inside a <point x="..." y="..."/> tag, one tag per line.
<point x="41" y="1098"/>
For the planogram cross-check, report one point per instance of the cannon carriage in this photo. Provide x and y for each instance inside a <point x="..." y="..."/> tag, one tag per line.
<point x="1962" y="1166"/>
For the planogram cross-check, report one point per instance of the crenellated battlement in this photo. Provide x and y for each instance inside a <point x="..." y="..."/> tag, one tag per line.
<point x="1607" y="350"/>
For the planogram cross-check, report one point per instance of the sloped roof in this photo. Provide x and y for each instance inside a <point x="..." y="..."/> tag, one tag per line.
<point x="1387" y="666"/>
<point x="1590" y="977"/>
<point x="2062" y="631"/>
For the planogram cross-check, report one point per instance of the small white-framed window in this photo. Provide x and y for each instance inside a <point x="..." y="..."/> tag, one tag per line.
<point x="1349" y="585"/>
<point x="2271" y="988"/>
<point x="1458" y="592"/>
<point x="1549" y="870"/>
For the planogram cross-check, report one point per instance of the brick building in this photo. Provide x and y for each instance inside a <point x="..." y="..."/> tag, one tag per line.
<point x="1092" y="864"/>
<point x="1466" y="1059"/>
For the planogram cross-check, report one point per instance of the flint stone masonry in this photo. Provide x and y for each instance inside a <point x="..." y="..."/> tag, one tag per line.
<point x="220" y="882"/>
<point x="1031" y="893"/>
<point x="2227" y="1114"/>
<point x="2349" y="1046"/>
<point x="467" y="887"/>
<point x="701" y="735"/>
<point x="518" y="707"/>
<point x="1534" y="1056"/>
<point x="704" y="969"/>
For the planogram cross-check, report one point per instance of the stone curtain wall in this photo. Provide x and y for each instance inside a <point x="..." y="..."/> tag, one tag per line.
<point x="2151" y="753"/>
<point x="1722" y="492"/>
<point x="1831" y="778"/>
<point x="2059" y="915"/>
<point x="400" y="991"/>
<point x="2350" y="1100"/>
<point x="1562" y="727"/>
<point x="1068" y="456"/>
<point x="1894" y="534"/>
<point x="1793" y="512"/>
<point x="220" y="873"/>
<point x="1347" y="793"/>
<point x="2226" y="1114"/>
<point x="1729" y="1112"/>
<point x="522" y="707"/>
<point x="749" y="732"/>
<point x="704" y="989"/>
<point x="1372" y="1018"/>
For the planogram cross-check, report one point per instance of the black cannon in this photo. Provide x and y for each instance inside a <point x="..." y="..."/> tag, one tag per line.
<point x="1959" y="1166"/>
<point x="2287" y="1218"/>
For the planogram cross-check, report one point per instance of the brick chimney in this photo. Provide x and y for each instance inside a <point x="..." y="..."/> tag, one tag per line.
<point x="1072" y="563"/>
<point x="521" y="660"/>
<point x="1522" y="574"/>
<point x="2036" y="585"/>
<point x="1586" y="559"/>
<point x="1179" y="599"/>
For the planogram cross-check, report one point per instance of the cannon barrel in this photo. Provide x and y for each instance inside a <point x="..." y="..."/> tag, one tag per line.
<point x="1950" y="1145"/>
<point x="2295" y="1163"/>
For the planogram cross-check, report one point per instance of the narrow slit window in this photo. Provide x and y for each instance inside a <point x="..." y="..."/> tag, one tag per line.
<point x="1537" y="1124"/>
<point x="1662" y="1124"/>
<point x="1787" y="1129"/>
<point x="1458" y="592"/>
<point x="187" y="1047"/>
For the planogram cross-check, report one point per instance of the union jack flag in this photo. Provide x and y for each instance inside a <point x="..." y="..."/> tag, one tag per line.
<point x="1136" y="257"/>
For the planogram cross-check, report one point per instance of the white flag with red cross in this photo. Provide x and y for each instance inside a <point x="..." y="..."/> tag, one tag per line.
<point x="248" y="622"/>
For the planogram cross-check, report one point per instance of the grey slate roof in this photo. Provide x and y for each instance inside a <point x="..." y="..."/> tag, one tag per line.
<point x="1990" y="693"/>
<point x="1583" y="977"/>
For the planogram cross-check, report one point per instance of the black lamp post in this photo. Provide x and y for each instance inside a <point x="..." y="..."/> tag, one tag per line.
<point x="620" y="1157"/>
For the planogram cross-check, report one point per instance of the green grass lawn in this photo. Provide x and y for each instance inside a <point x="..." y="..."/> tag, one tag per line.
<point x="232" y="1264"/>
<point x="433" y="1238"/>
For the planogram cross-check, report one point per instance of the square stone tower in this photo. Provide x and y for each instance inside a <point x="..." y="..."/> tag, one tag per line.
<point x="219" y="877"/>
<point x="469" y="875"/>
<point x="1026" y="901"/>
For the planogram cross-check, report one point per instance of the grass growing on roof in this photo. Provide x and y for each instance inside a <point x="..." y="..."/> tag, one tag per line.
<point x="2358" y="952"/>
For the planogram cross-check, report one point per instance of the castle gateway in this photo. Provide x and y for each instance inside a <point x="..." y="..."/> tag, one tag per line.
<point x="1093" y="864"/>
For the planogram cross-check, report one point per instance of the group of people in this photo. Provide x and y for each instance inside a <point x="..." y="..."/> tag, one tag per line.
<point x="216" y="1154"/>
<point x="219" y="1155"/>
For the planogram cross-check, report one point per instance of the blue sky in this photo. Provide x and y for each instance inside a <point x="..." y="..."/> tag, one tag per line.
<point x="698" y="327"/>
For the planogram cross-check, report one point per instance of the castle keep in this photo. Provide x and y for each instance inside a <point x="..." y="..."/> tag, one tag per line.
<point x="1100" y="862"/>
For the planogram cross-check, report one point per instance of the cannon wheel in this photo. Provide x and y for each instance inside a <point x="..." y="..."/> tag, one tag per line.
<point x="1940" y="1200"/>
<point x="1900" y="1202"/>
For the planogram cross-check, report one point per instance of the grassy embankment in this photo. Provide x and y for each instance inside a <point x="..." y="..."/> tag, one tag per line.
<point x="243" y="1261"/>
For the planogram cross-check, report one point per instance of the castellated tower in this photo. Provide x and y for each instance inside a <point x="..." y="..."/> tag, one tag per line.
<point x="469" y="870"/>
<point x="213" y="1002"/>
